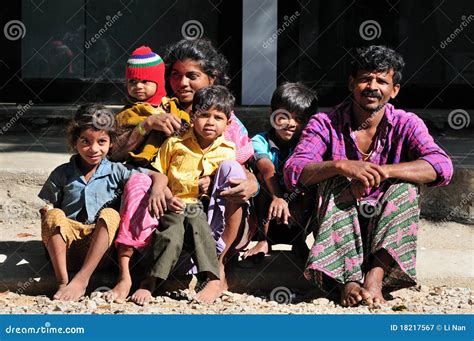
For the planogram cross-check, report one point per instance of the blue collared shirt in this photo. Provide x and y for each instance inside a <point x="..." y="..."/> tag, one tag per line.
<point x="265" y="147"/>
<point x="67" y="188"/>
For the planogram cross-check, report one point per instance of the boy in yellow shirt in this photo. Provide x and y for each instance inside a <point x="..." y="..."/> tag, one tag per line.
<point x="184" y="159"/>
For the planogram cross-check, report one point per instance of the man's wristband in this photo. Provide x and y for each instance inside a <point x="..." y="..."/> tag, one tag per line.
<point x="141" y="130"/>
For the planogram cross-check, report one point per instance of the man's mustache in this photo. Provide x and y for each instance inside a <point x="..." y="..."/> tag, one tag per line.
<point x="371" y="93"/>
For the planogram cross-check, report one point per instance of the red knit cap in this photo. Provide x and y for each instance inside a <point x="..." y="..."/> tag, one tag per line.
<point x="144" y="64"/>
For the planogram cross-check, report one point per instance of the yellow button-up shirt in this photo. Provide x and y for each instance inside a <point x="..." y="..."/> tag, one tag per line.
<point x="183" y="161"/>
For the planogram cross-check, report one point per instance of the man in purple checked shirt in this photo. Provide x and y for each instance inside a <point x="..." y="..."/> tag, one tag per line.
<point x="367" y="159"/>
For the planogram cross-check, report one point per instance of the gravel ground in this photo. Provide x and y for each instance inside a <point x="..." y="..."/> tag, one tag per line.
<point x="419" y="300"/>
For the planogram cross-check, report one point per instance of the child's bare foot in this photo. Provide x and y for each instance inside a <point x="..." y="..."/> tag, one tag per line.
<point x="352" y="294"/>
<point x="223" y="279"/>
<point x="211" y="291"/>
<point x="71" y="292"/>
<point x="143" y="295"/>
<point x="60" y="287"/>
<point x="261" y="246"/>
<point x="120" y="292"/>
<point x="373" y="284"/>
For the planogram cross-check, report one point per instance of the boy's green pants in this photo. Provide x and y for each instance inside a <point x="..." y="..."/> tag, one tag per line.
<point x="190" y="231"/>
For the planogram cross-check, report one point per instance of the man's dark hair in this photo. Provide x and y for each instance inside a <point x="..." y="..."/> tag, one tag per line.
<point x="295" y="97"/>
<point x="216" y="97"/>
<point x="378" y="58"/>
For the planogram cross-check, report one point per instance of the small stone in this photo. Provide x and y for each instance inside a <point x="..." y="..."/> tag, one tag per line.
<point x="321" y="301"/>
<point x="42" y="300"/>
<point x="399" y="307"/>
<point x="91" y="305"/>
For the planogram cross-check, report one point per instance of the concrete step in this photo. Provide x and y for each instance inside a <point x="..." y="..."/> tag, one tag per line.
<point x="38" y="117"/>
<point x="27" y="270"/>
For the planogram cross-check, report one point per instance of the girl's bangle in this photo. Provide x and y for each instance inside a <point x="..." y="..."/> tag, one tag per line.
<point x="258" y="191"/>
<point x="141" y="130"/>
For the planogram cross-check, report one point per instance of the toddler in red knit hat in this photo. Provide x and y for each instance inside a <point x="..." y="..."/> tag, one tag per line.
<point x="145" y="81"/>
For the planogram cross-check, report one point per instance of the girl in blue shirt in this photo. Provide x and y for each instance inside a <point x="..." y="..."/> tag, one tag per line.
<point x="80" y="220"/>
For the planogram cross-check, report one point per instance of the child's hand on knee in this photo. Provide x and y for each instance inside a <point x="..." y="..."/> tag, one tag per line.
<point x="157" y="204"/>
<point x="279" y="210"/>
<point x="176" y="205"/>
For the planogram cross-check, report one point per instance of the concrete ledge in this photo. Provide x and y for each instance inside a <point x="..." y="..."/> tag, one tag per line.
<point x="54" y="117"/>
<point x="27" y="270"/>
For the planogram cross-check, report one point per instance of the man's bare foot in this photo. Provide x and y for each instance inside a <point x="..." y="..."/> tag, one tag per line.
<point x="71" y="292"/>
<point x="211" y="291"/>
<point x="352" y="294"/>
<point x="373" y="284"/>
<point x="120" y="292"/>
<point x="261" y="246"/>
<point x="143" y="295"/>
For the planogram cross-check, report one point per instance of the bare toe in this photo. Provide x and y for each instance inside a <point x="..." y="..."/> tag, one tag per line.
<point x="352" y="294"/>
<point x="141" y="297"/>
<point x="210" y="292"/>
<point x="260" y="247"/>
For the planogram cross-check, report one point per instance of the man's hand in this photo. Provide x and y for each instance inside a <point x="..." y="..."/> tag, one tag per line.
<point x="369" y="174"/>
<point x="204" y="183"/>
<point x="176" y="205"/>
<point x="279" y="209"/>
<point x="357" y="189"/>
<point x="166" y="123"/>
<point x="241" y="190"/>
